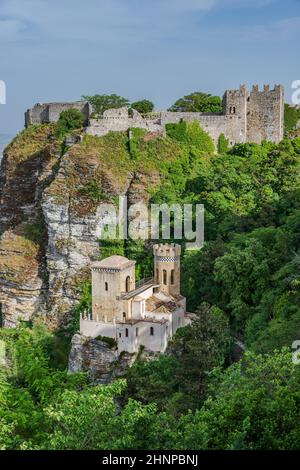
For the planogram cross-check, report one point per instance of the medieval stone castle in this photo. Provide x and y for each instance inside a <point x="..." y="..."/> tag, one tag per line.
<point x="146" y="313"/>
<point x="246" y="117"/>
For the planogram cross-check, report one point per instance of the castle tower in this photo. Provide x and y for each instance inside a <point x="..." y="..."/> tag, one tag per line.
<point x="167" y="267"/>
<point x="265" y="114"/>
<point x="110" y="278"/>
<point x="234" y="102"/>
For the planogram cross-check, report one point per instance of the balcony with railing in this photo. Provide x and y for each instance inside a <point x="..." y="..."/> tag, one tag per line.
<point x="140" y="287"/>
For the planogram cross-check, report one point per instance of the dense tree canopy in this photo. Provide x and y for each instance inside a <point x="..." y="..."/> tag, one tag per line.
<point x="101" y="103"/>
<point x="143" y="106"/>
<point x="198" y="102"/>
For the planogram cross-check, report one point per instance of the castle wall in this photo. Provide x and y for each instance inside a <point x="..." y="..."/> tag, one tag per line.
<point x="232" y="126"/>
<point x="131" y="343"/>
<point x="94" y="328"/>
<point x="246" y="117"/>
<point x="50" y="112"/>
<point x="118" y="120"/>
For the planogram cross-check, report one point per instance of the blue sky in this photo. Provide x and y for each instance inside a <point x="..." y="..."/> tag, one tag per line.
<point x="57" y="50"/>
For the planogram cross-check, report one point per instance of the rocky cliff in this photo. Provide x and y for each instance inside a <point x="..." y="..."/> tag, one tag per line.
<point x="99" y="359"/>
<point x="50" y="199"/>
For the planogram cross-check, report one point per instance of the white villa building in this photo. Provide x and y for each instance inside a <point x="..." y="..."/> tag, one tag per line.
<point x="147" y="313"/>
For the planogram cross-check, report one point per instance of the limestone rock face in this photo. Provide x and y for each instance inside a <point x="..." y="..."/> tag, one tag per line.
<point x="27" y="167"/>
<point x="98" y="359"/>
<point x="51" y="214"/>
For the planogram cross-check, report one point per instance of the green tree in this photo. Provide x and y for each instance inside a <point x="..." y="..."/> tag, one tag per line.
<point x="253" y="405"/>
<point x="178" y="382"/>
<point x="198" y="102"/>
<point x="143" y="106"/>
<point x="69" y="120"/>
<point x="101" y="103"/>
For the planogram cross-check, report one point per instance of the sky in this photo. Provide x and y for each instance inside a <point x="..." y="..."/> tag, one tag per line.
<point x="59" y="50"/>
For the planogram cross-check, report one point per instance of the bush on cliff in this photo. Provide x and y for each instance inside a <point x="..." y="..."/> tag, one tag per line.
<point x="69" y="120"/>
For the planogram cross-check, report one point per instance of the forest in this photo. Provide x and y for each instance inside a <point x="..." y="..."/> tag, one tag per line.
<point x="228" y="380"/>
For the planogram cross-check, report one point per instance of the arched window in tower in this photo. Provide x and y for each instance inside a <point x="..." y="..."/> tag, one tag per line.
<point x="124" y="316"/>
<point x="106" y="286"/>
<point x="172" y="277"/>
<point x="233" y="110"/>
<point x="127" y="284"/>
<point x="126" y="332"/>
<point x="151" y="331"/>
<point x="165" y="277"/>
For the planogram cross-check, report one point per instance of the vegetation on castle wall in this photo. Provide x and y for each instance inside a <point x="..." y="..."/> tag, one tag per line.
<point x="69" y="120"/>
<point x="101" y="103"/>
<point x="143" y="106"/>
<point x="291" y="118"/>
<point x="192" y="135"/>
<point x="223" y="144"/>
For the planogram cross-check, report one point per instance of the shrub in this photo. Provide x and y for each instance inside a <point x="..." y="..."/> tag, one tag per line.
<point x="69" y="120"/>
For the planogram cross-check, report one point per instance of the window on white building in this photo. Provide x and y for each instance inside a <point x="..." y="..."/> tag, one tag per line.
<point x="151" y="331"/>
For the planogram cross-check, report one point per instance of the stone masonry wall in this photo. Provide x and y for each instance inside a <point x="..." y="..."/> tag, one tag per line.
<point x="50" y="112"/>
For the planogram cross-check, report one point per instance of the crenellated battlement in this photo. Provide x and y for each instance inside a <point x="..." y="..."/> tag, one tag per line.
<point x="167" y="250"/>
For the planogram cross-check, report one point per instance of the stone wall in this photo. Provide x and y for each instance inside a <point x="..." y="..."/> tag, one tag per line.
<point x="107" y="286"/>
<point x="93" y="328"/>
<point x="119" y="120"/>
<point x="50" y="112"/>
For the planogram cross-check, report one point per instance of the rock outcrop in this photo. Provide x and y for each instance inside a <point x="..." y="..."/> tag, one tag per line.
<point x="98" y="359"/>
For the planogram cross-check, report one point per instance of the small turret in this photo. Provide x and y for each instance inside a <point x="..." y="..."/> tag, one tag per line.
<point x="167" y="267"/>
